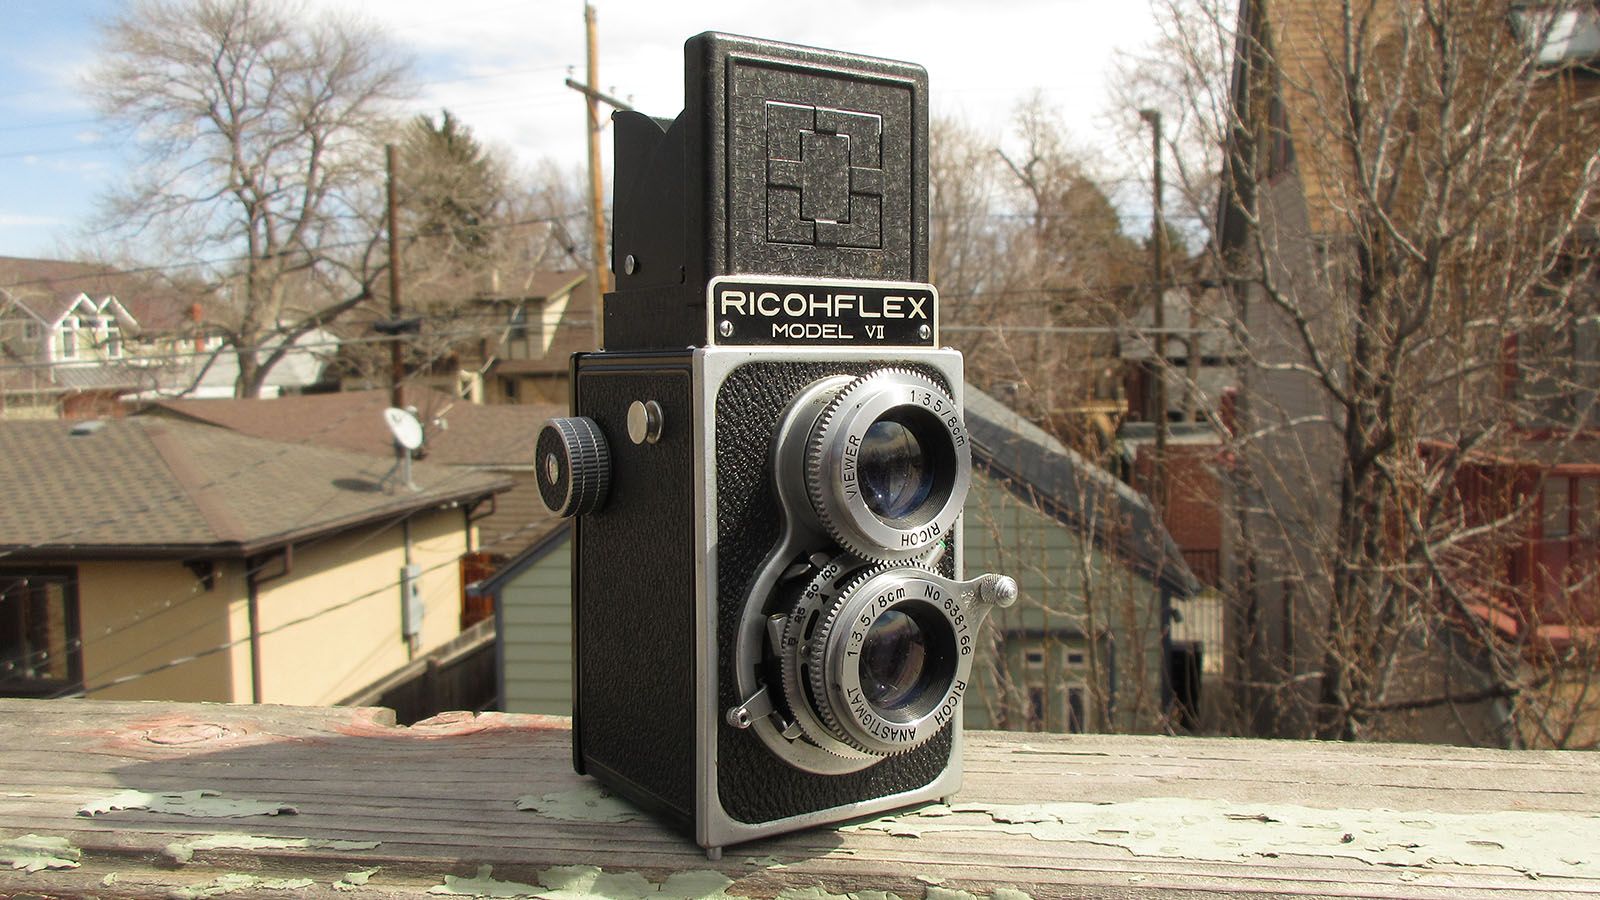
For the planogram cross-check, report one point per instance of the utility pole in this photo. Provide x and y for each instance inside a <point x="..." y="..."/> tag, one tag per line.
<point x="1158" y="240"/>
<point x="597" y="187"/>
<point x="397" y="371"/>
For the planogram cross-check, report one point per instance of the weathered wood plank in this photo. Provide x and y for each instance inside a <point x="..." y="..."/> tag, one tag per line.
<point x="1050" y="815"/>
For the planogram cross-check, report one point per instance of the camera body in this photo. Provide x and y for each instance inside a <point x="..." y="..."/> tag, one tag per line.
<point x="767" y="462"/>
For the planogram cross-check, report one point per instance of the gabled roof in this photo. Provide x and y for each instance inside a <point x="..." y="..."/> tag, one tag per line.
<point x="573" y="333"/>
<point x="49" y="287"/>
<point x="457" y="432"/>
<point x="536" y="284"/>
<point x="146" y="487"/>
<point x="1045" y="473"/>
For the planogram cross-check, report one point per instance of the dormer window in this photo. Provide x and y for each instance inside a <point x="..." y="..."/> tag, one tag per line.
<point x="67" y="342"/>
<point x="111" y="338"/>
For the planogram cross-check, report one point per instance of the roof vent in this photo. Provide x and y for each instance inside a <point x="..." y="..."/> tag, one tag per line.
<point x="88" y="427"/>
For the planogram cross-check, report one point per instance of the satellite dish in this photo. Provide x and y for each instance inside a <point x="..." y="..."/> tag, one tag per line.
<point x="404" y="426"/>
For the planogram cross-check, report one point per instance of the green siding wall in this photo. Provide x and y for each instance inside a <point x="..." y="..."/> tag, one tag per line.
<point x="536" y="615"/>
<point x="1083" y="622"/>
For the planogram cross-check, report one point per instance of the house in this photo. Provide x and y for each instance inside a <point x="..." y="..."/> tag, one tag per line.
<point x="507" y="336"/>
<point x="1410" y="514"/>
<point x="149" y="559"/>
<point x="1089" y="646"/>
<point x="1103" y="636"/>
<point x="81" y="340"/>
<point x="71" y="340"/>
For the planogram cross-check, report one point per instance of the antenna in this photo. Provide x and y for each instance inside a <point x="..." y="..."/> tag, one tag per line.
<point x="407" y="431"/>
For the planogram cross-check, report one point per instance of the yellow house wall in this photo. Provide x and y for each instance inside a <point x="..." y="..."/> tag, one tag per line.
<point x="137" y="617"/>
<point x="333" y="626"/>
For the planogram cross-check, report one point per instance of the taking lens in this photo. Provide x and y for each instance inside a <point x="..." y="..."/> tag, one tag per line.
<point x="893" y="662"/>
<point x="896" y="475"/>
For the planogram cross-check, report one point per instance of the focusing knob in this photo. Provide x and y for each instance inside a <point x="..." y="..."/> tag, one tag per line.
<point x="573" y="465"/>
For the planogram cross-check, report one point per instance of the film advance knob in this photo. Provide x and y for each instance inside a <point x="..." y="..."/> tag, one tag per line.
<point x="573" y="465"/>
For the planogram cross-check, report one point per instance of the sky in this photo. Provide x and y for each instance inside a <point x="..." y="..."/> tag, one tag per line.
<point x="500" y="66"/>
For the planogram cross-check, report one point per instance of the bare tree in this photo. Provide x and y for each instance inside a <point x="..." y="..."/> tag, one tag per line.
<point x="254" y="122"/>
<point x="1035" y="275"/>
<point x="1029" y="254"/>
<point x="1406" y="226"/>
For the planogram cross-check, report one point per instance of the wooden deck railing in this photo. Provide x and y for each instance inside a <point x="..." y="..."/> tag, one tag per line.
<point x="188" y="800"/>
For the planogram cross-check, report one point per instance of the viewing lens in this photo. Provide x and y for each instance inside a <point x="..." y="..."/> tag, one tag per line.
<point x="896" y="475"/>
<point x="894" y="662"/>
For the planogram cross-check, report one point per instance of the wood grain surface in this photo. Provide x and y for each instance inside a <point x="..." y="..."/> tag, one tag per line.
<point x="432" y="810"/>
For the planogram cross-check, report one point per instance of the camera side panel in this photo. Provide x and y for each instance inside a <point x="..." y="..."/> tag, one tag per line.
<point x="634" y="589"/>
<point x="753" y="785"/>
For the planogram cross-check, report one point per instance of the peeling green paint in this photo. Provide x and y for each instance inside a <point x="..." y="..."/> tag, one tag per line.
<point x="591" y="883"/>
<point x="109" y="880"/>
<point x="227" y="884"/>
<point x="1535" y="843"/>
<point x="353" y="880"/>
<point x="694" y="886"/>
<point x="202" y="804"/>
<point x="36" y="852"/>
<point x="483" y="885"/>
<point x="588" y="802"/>
<point x="767" y="862"/>
<point x="183" y="851"/>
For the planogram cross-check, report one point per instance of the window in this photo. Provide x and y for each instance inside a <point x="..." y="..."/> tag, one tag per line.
<point x="1034" y="659"/>
<point x="1075" y="710"/>
<point x="68" y="342"/>
<point x="1556" y="508"/>
<point x="39" y="636"/>
<point x="1588" y="514"/>
<point x="30" y="331"/>
<point x="113" y="338"/>
<point x="1036" y="706"/>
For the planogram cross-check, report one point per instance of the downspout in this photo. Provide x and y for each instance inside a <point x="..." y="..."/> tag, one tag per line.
<point x="413" y="641"/>
<point x="1164" y="665"/>
<point x="253" y="581"/>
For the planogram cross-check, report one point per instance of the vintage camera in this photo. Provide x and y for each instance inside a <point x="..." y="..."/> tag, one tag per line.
<point x="767" y="462"/>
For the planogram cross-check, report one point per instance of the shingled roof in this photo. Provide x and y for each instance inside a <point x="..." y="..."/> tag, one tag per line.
<point x="1042" y="471"/>
<point x="49" y="287"/>
<point x="149" y="487"/>
<point x="457" y="432"/>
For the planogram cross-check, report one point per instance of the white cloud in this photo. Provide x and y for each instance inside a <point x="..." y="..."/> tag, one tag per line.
<point x="500" y="65"/>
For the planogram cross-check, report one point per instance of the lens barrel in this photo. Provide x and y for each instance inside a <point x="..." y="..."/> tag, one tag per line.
<point x="887" y="465"/>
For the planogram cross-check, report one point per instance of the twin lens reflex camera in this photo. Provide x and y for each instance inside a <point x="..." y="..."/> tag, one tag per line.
<point x="766" y="464"/>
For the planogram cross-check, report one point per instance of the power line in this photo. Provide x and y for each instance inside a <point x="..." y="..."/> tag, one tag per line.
<point x="181" y="494"/>
<point x="133" y="368"/>
<point x="226" y="645"/>
<point x="168" y="605"/>
<point x="109" y="272"/>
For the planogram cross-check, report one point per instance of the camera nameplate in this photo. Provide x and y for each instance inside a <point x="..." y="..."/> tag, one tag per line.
<point x="776" y="311"/>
